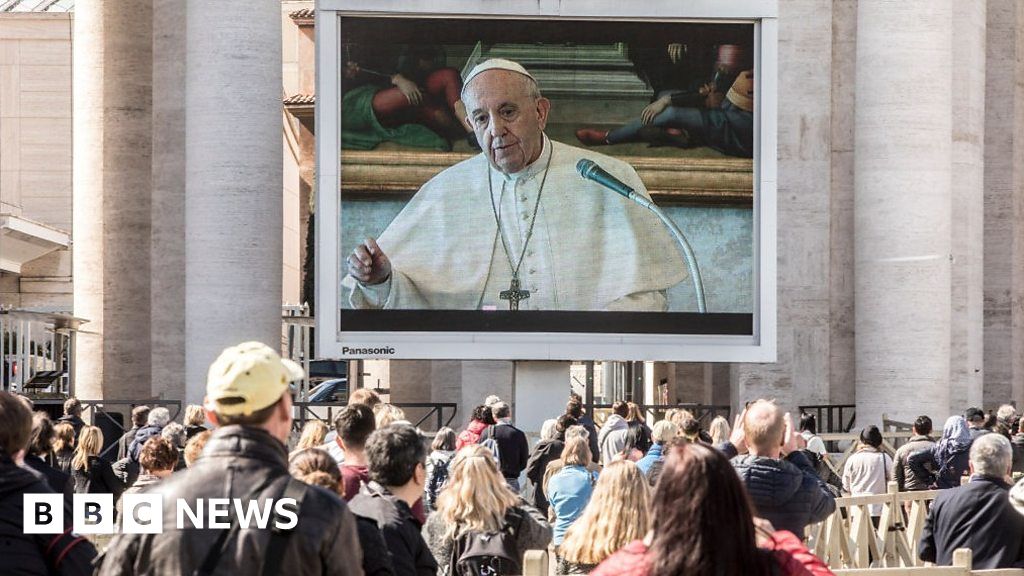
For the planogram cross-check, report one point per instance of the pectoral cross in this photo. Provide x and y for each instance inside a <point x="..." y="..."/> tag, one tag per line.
<point x="514" y="294"/>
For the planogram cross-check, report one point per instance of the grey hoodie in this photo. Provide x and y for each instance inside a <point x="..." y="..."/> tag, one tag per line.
<point x="612" y="438"/>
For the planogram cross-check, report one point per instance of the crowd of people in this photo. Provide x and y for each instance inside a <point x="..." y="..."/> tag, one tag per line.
<point x="376" y="496"/>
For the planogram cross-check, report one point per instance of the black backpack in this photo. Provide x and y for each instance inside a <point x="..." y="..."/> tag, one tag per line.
<point x="478" y="553"/>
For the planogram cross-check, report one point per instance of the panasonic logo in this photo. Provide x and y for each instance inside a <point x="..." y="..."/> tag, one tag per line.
<point x="385" y="351"/>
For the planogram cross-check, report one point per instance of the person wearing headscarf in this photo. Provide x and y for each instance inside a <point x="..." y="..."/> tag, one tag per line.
<point x="945" y="463"/>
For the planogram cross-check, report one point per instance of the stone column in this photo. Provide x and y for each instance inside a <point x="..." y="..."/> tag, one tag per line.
<point x="968" y="194"/>
<point x="111" y="150"/>
<point x="1004" y="205"/>
<point x="233" y="184"/>
<point x="902" y="209"/>
<point x="540" y="392"/>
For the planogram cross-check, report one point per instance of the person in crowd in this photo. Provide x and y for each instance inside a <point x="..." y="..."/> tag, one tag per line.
<point x="194" y="447"/>
<point x="781" y="482"/>
<point x="65" y="554"/>
<point x="1017" y="441"/>
<point x="702" y="524"/>
<point x="629" y="449"/>
<point x="904" y="476"/>
<point x="574" y="408"/>
<point x="156" y="420"/>
<point x="689" y="430"/>
<point x="491" y="400"/>
<point x="388" y="414"/>
<point x="194" y="421"/>
<point x="548" y="449"/>
<point x="159" y="458"/>
<point x="617" y="514"/>
<point x="975" y="418"/>
<point x="949" y="458"/>
<point x="612" y="438"/>
<point x="867" y="471"/>
<point x="315" y="466"/>
<point x="314" y="432"/>
<point x="547" y="429"/>
<point x="663" y="433"/>
<point x="809" y="430"/>
<point x="73" y="414"/>
<point x="139" y="416"/>
<point x="442" y="449"/>
<point x="557" y="464"/>
<point x="482" y="418"/>
<point x="40" y="457"/>
<point x="175" y="434"/>
<point x="513" y="449"/>
<point x="978" y="515"/>
<point x="249" y="401"/>
<point x="1006" y="420"/>
<point x="354" y="424"/>
<point x="719" y="430"/>
<point x="637" y="423"/>
<point x="91" y="473"/>
<point x="569" y="489"/>
<point x="358" y="396"/>
<point x="477" y="500"/>
<point x="63" y="446"/>
<point x="395" y="458"/>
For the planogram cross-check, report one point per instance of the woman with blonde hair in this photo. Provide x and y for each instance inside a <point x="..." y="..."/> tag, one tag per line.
<point x="664" y="433"/>
<point x="719" y="430"/>
<point x="618" y="513"/>
<point x="477" y="499"/>
<point x="388" y="414"/>
<point x="63" y="446"/>
<point x="569" y="489"/>
<point x="91" y="473"/>
<point x="194" y="420"/>
<point x="313" y="435"/>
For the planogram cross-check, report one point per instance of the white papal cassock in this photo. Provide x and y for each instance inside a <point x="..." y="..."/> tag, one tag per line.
<point x="591" y="248"/>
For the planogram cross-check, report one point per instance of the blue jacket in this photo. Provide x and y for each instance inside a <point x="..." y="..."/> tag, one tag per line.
<point x="568" y="491"/>
<point x="653" y="455"/>
<point x="947" y="475"/>
<point x="787" y="492"/>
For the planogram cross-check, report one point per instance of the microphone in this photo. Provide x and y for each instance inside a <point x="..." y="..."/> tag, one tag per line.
<point x="589" y="170"/>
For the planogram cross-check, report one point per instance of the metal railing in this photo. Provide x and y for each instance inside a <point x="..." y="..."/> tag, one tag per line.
<point x="101" y="414"/>
<point x="832" y="418"/>
<point x="420" y="414"/>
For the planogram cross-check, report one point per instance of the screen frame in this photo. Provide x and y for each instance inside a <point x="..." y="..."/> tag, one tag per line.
<point x="333" y="342"/>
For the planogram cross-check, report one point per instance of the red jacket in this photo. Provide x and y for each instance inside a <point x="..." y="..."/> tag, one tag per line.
<point x="471" y="435"/>
<point x="792" y="557"/>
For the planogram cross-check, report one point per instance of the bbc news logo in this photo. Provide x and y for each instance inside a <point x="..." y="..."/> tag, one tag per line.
<point x="144" y="513"/>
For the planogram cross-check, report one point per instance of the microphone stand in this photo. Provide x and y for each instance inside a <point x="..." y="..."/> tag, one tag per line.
<point x="691" y="258"/>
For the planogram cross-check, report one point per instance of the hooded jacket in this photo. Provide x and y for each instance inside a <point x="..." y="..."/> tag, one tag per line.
<point x="143" y="434"/>
<point x="786" y="492"/>
<point x="612" y="438"/>
<point x="66" y="554"/>
<point x="251" y="465"/>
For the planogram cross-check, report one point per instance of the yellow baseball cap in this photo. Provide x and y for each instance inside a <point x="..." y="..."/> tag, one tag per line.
<point x="248" y="377"/>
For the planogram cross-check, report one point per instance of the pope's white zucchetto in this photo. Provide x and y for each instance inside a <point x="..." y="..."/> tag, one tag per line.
<point x="496" y="64"/>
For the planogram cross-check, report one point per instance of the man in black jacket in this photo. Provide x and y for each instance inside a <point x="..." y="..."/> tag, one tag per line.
<point x="782" y="484"/>
<point x="979" y="514"/>
<point x="245" y="460"/>
<point x="73" y="415"/>
<point x="395" y="457"/>
<point x="139" y="416"/>
<point x="513" y="449"/>
<point x="66" y="554"/>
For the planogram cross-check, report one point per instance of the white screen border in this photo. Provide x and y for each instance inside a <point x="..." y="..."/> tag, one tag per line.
<point x="333" y="343"/>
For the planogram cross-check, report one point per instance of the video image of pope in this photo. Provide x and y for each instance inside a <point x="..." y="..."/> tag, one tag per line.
<point x="516" y="226"/>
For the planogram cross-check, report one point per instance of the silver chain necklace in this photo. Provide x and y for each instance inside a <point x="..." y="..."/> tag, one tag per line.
<point x="515" y="294"/>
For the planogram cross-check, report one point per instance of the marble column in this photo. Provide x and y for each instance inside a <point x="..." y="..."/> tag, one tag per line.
<point x="902" y="205"/>
<point x="112" y="152"/>
<point x="233" y="208"/>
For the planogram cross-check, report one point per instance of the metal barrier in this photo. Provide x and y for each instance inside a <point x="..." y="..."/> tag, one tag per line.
<point x="704" y="413"/>
<point x="832" y="418"/>
<point x="326" y="411"/>
<point x="99" y="413"/>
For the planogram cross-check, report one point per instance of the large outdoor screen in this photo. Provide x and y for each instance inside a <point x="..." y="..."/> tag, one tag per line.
<point x="561" y="182"/>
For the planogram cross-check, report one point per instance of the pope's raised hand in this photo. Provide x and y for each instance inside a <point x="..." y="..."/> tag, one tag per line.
<point x="368" y="263"/>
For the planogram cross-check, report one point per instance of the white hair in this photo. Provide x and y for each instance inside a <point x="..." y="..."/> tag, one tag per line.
<point x="174" y="433"/>
<point x="159" y="416"/>
<point x="991" y="455"/>
<point x="575" y="431"/>
<point x="491" y="400"/>
<point x="549" y="429"/>
<point x="1006" y="412"/>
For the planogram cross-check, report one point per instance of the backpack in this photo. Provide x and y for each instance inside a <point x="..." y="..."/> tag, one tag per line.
<point x="438" y="478"/>
<point x="487" y="441"/>
<point x="478" y="553"/>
